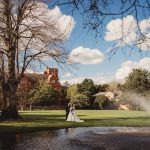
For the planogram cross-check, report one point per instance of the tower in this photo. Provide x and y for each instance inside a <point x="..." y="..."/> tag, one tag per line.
<point x="52" y="74"/>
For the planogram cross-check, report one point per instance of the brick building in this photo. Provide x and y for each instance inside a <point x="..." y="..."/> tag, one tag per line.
<point x="52" y="77"/>
<point x="29" y="80"/>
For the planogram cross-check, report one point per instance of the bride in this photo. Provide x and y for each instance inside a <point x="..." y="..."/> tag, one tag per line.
<point x="72" y="115"/>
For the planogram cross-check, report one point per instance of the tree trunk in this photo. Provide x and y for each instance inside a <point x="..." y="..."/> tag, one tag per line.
<point x="10" y="101"/>
<point x="10" y="111"/>
<point x="59" y="102"/>
<point x="22" y="107"/>
<point x="31" y="106"/>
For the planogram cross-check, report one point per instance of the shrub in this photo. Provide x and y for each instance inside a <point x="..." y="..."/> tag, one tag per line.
<point x="101" y="102"/>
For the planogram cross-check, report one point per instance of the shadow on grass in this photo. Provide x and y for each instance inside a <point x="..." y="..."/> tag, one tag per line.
<point x="130" y="121"/>
<point x="37" y="123"/>
<point x="46" y="117"/>
<point x="11" y="130"/>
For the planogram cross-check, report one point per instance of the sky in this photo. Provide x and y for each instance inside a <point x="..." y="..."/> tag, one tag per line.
<point x="89" y="54"/>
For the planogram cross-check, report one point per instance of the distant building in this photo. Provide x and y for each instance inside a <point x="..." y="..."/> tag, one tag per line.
<point x="29" y="81"/>
<point x="52" y="77"/>
<point x="116" y="96"/>
<point x="110" y="95"/>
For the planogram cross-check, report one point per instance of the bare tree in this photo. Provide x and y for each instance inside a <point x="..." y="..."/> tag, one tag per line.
<point x="97" y="13"/>
<point x="28" y="32"/>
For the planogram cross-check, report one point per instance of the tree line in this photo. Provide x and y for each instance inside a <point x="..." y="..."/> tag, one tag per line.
<point x="83" y="94"/>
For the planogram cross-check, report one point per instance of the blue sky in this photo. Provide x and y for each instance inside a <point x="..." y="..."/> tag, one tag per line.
<point x="106" y="70"/>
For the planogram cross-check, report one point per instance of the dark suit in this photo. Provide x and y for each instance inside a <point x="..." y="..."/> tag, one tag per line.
<point x="67" y="108"/>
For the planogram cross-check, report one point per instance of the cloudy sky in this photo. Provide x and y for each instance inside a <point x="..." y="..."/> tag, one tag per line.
<point x="90" y="54"/>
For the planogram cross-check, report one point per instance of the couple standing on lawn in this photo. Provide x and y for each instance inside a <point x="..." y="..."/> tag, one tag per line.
<point x="71" y="114"/>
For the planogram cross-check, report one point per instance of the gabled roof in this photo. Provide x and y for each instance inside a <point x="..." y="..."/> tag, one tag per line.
<point x="36" y="77"/>
<point x="116" y="93"/>
<point x="100" y="93"/>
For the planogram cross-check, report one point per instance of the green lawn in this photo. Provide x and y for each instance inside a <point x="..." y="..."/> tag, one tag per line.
<point x="43" y="120"/>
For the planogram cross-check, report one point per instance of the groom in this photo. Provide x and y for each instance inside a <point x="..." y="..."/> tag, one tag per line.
<point x="67" y="108"/>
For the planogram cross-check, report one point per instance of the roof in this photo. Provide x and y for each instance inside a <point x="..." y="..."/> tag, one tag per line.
<point x="115" y="93"/>
<point x="45" y="77"/>
<point x="35" y="77"/>
<point x="100" y="93"/>
<point x="104" y="93"/>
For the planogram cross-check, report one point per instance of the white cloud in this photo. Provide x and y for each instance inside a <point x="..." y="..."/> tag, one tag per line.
<point x="126" y="32"/>
<point x="29" y="70"/>
<point x="144" y="43"/>
<point x="83" y="55"/>
<point x="122" y="28"/>
<point x="65" y="23"/>
<point x="127" y="67"/>
<point x="98" y="79"/>
<point x="73" y="80"/>
<point x="144" y="25"/>
<point x="67" y="75"/>
<point x="51" y="25"/>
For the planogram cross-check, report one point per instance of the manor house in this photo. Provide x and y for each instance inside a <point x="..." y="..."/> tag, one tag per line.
<point x="29" y="80"/>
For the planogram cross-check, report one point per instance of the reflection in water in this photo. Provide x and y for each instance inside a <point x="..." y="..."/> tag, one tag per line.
<point x="100" y="138"/>
<point x="7" y="142"/>
<point x="18" y="138"/>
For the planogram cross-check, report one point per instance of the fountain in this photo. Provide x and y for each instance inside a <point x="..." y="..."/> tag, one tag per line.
<point x="143" y="102"/>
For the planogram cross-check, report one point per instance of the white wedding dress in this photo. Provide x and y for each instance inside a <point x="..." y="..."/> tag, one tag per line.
<point x="72" y="116"/>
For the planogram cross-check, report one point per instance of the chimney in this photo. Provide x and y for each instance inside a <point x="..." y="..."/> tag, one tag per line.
<point x="47" y="71"/>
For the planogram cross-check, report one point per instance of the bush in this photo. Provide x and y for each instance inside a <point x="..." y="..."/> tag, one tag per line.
<point x="102" y="102"/>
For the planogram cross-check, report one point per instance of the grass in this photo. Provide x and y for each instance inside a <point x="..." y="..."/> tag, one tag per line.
<point x="43" y="120"/>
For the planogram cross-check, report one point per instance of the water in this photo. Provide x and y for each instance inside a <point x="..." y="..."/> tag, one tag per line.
<point x="98" y="138"/>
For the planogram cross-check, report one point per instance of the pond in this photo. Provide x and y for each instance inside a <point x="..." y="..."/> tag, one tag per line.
<point x="92" y="138"/>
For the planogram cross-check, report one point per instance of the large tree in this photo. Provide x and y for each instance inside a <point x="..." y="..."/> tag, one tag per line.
<point x="138" y="81"/>
<point x="89" y="89"/>
<point x="72" y="91"/>
<point x="29" y="32"/>
<point x="81" y="100"/>
<point x="137" y="88"/>
<point x="88" y="85"/>
<point x="43" y="94"/>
